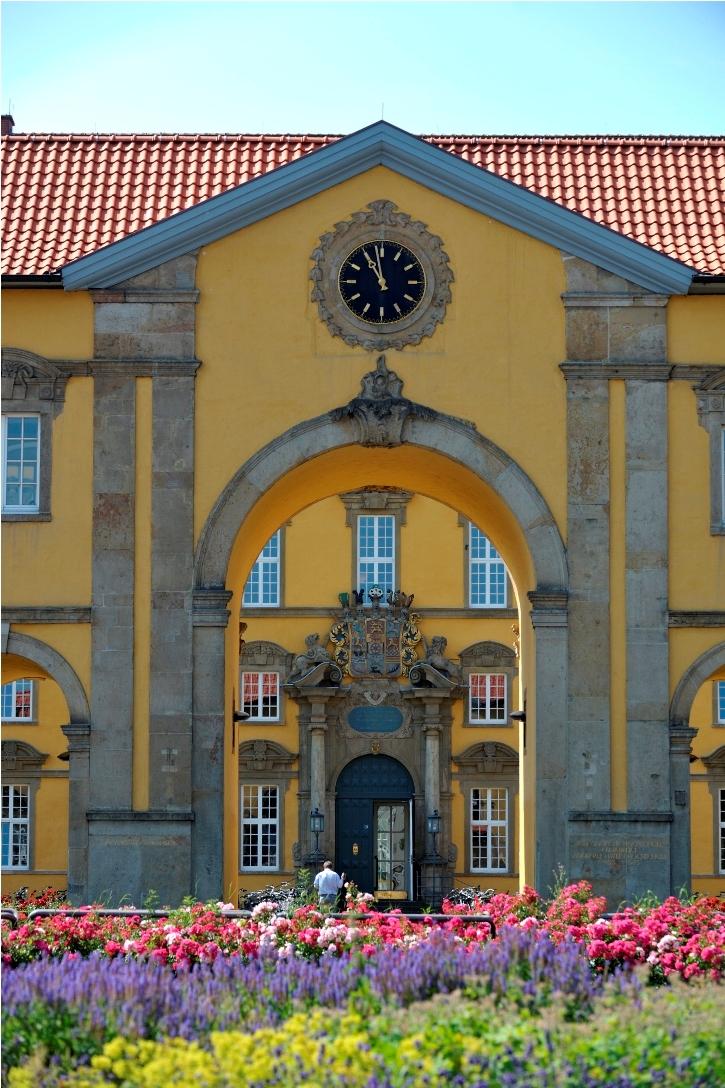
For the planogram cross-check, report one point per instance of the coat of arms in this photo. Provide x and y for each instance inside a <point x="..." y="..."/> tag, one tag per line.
<point x="376" y="641"/>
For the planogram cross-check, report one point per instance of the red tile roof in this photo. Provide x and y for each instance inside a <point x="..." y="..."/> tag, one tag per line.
<point x="67" y="195"/>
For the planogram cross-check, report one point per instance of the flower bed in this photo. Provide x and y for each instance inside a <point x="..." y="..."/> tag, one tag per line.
<point x="526" y="1013"/>
<point x="683" y="937"/>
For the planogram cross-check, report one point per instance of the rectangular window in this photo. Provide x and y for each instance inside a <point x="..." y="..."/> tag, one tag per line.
<point x="487" y="572"/>
<point x="722" y="831"/>
<point x="21" y="453"/>
<point x="720" y="701"/>
<point x="260" y="696"/>
<point x="15" y="827"/>
<point x="260" y="827"/>
<point x="17" y="701"/>
<point x="262" y="586"/>
<point x="487" y="698"/>
<point x="489" y="830"/>
<point x="376" y="552"/>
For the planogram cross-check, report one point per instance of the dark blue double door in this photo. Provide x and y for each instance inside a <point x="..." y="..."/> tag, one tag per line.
<point x="373" y="821"/>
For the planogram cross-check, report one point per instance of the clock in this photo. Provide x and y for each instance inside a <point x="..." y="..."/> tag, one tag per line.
<point x="381" y="280"/>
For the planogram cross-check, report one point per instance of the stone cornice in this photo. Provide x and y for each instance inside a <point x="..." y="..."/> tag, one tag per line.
<point x="116" y="815"/>
<point x="695" y="618"/>
<point x="580" y="298"/>
<point x="139" y="295"/>
<point x="139" y="368"/>
<point x="314" y="611"/>
<point x="56" y="613"/>
<point x="636" y="371"/>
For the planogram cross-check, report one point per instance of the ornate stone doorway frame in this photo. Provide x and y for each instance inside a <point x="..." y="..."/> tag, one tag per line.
<point x="382" y="418"/>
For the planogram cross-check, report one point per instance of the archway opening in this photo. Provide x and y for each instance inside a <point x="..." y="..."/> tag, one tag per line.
<point x="374" y="826"/>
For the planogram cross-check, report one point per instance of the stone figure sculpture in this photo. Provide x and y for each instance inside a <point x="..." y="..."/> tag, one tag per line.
<point x="435" y="657"/>
<point x="313" y="655"/>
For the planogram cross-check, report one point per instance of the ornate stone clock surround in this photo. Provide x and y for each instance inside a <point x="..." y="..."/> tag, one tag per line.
<point x="382" y="220"/>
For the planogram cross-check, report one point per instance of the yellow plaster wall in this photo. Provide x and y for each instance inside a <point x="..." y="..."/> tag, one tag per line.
<point x="696" y="329"/>
<point x="50" y="829"/>
<point x="51" y="561"/>
<point x="55" y="324"/>
<point x="268" y="364"/>
<point x="697" y="558"/>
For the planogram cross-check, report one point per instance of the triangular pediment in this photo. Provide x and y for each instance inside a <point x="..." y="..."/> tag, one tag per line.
<point x="380" y="144"/>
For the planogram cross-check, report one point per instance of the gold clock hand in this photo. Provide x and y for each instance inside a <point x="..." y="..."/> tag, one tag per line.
<point x="374" y="268"/>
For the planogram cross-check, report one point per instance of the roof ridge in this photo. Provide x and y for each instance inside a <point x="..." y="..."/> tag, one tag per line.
<point x="286" y="137"/>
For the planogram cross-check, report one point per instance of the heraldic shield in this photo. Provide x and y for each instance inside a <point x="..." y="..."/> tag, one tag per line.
<point x="379" y="642"/>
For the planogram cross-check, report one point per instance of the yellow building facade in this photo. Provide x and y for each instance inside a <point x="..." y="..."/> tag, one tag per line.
<point x="286" y="560"/>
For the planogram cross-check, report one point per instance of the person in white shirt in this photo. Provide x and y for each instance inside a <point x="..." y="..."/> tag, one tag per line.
<point x="328" y="884"/>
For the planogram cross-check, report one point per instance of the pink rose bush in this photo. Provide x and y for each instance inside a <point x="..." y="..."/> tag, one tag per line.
<point x="687" y="938"/>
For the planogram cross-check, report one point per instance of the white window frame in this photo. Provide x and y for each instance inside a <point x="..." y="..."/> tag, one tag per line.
<point x="720" y="702"/>
<point x="378" y="557"/>
<point x="265" y="573"/>
<point x="487" y="718"/>
<point x="485" y="563"/>
<point x="255" y="706"/>
<point x="20" y="508"/>
<point x="485" y="794"/>
<point x="259" y="825"/>
<point x="12" y="824"/>
<point x="29" y="688"/>
<point x="721" y="821"/>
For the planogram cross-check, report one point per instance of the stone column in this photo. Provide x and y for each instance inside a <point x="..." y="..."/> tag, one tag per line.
<point x="432" y="730"/>
<point x="680" y="749"/>
<point x="547" y="730"/>
<point x="211" y="617"/>
<point x="317" y="729"/>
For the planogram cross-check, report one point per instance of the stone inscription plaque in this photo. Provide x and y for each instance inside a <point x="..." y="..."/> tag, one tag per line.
<point x="621" y="860"/>
<point x="375" y="719"/>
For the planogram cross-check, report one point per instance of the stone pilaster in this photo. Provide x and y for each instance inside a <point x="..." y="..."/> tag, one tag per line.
<point x="681" y="739"/>
<point x="588" y="744"/>
<point x="549" y="619"/>
<point x="317" y="728"/>
<point x="211" y="617"/>
<point x="432" y="729"/>
<point x="78" y="736"/>
<point x="648" y="786"/>
<point x="112" y="592"/>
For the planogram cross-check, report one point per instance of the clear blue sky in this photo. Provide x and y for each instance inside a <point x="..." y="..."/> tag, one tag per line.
<point x="328" y="67"/>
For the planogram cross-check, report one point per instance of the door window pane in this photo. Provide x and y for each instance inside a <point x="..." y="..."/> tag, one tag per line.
<point x="390" y="841"/>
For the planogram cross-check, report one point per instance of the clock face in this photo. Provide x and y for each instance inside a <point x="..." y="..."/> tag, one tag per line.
<point x="381" y="282"/>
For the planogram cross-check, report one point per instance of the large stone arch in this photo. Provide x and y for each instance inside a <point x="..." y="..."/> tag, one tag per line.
<point x="381" y="418"/>
<point x="452" y="438"/>
<point x="56" y="666"/>
<point x="691" y="682"/>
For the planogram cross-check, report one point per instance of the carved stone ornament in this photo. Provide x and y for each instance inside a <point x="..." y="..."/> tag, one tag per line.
<point x="265" y="755"/>
<point x="381" y="221"/>
<point x="711" y="396"/>
<point x="490" y="757"/>
<point x="374" y="693"/>
<point x="380" y="411"/>
<point x="435" y="665"/>
<point x="715" y="762"/>
<point x="18" y="755"/>
<point x="26" y="374"/>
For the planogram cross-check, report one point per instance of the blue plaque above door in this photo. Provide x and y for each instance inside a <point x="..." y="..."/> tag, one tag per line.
<point x="375" y="719"/>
